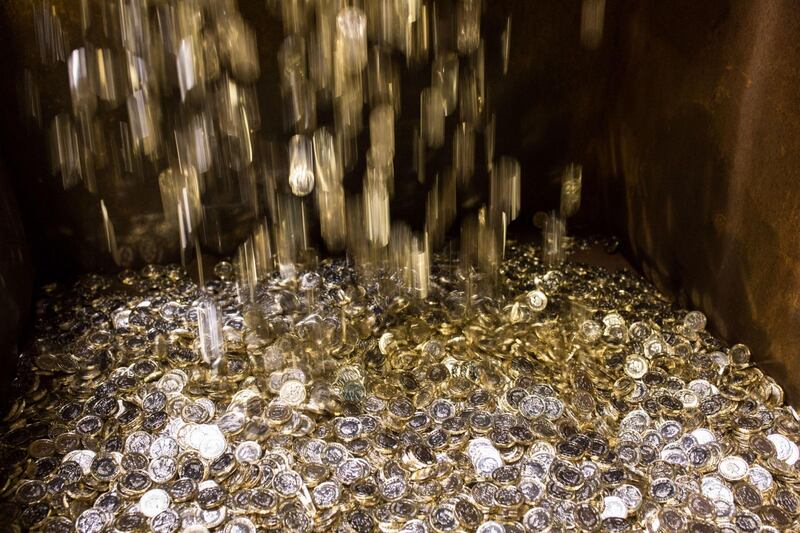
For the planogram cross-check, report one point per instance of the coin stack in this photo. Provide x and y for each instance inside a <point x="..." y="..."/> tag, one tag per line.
<point x="569" y="399"/>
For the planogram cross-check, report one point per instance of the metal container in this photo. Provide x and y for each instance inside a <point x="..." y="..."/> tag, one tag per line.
<point x="683" y="115"/>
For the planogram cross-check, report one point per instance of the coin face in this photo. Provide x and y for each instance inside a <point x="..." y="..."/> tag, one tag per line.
<point x="292" y="392"/>
<point x="248" y="452"/>
<point x="165" y="521"/>
<point x="442" y="409"/>
<point x="694" y="321"/>
<point x="591" y="331"/>
<point x="553" y="408"/>
<point x="702" y="507"/>
<point x="745" y="521"/>
<point x="747" y="496"/>
<point x="164" y="446"/>
<point x="491" y="527"/>
<point x="537" y="300"/>
<point x="636" y="366"/>
<point x="740" y="354"/>
<point x="733" y="468"/>
<point x="153" y="502"/>
<point x="105" y="467"/>
<point x="208" y="440"/>
<point x="162" y="469"/>
<point x="774" y="516"/>
<point x="394" y="488"/>
<point x="673" y="520"/>
<point x="182" y="489"/>
<point x="532" y="406"/>
<point x="614" y="506"/>
<point x="630" y="495"/>
<point x="760" y="478"/>
<point x="537" y="519"/>
<point x="326" y="494"/>
<point x="90" y="521"/>
<point x="210" y="495"/>
<point x="287" y="483"/>
<point x="662" y="490"/>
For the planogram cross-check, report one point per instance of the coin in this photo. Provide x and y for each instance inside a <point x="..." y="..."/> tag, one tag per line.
<point x="491" y="527"/>
<point x="89" y="521"/>
<point x="208" y="440"/>
<point x="614" y="506"/>
<point x="537" y="300"/>
<point x="292" y="392"/>
<point x="733" y="468"/>
<point x="662" y="490"/>
<point x="636" y="366"/>
<point x="287" y="483"/>
<point x="153" y="502"/>
<point x="248" y="452"/>
<point x="747" y="496"/>
<point x="537" y="519"/>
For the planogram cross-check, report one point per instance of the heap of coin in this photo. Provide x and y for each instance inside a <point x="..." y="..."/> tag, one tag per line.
<point x="567" y="398"/>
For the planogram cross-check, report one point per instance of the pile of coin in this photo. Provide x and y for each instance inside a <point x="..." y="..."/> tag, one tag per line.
<point x="553" y="398"/>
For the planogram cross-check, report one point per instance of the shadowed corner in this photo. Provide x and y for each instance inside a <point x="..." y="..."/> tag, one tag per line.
<point x="16" y="282"/>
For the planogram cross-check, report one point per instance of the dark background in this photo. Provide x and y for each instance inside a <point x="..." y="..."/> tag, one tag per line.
<point x="685" y="120"/>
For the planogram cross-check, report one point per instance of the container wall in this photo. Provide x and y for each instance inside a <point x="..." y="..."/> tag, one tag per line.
<point x="16" y="283"/>
<point x="702" y="165"/>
